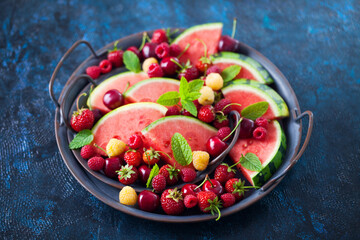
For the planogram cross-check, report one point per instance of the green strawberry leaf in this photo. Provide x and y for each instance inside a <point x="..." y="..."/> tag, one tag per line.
<point x="195" y="85"/>
<point x="230" y="73"/>
<point x="169" y="98"/>
<point x="131" y="61"/>
<point x="184" y="88"/>
<point x="251" y="162"/>
<point x="181" y="149"/>
<point x="81" y="139"/>
<point x="153" y="173"/>
<point x="190" y="106"/>
<point x="255" y="110"/>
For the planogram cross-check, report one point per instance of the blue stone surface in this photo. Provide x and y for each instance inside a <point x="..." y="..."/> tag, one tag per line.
<point x="314" y="43"/>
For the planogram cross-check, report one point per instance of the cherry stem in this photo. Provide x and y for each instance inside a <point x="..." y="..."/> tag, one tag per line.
<point x="231" y="104"/>
<point x="219" y="213"/>
<point x="205" y="47"/>
<point x="221" y="112"/>
<point x="185" y="49"/>
<point x="164" y="153"/>
<point x="97" y="146"/>
<point x="126" y="88"/>
<point x="234" y="28"/>
<point x="77" y="101"/>
<point x="143" y="41"/>
<point x="173" y="60"/>
<point x="237" y="125"/>
<point x="205" y="179"/>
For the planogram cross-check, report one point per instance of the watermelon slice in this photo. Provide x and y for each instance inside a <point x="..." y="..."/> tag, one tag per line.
<point x="151" y="89"/>
<point x="250" y="68"/>
<point x="270" y="151"/>
<point x="159" y="134"/>
<point x="126" y="120"/>
<point x="247" y="92"/>
<point x="209" y="33"/>
<point x="119" y="82"/>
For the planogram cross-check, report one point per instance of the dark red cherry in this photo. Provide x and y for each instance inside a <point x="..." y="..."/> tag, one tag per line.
<point x="111" y="166"/>
<point x="149" y="50"/>
<point x="228" y="44"/>
<point x="148" y="201"/>
<point x="247" y="127"/>
<point x="144" y="172"/>
<point x="113" y="99"/>
<point x="168" y="66"/>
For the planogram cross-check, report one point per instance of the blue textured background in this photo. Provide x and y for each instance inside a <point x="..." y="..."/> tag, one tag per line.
<point x="315" y="44"/>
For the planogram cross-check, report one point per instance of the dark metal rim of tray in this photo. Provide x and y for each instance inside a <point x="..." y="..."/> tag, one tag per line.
<point x="79" y="82"/>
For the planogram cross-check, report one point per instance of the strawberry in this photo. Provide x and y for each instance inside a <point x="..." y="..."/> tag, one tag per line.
<point x="172" y="202"/>
<point x="223" y="173"/>
<point x="96" y="163"/>
<point x="115" y="56"/>
<point x="220" y="106"/>
<point x="209" y="202"/>
<point x="236" y="187"/>
<point x="93" y="71"/>
<point x="159" y="36"/>
<point x="204" y="62"/>
<point x="150" y="156"/>
<point x="82" y="118"/>
<point x="190" y="201"/>
<point x="171" y="173"/>
<point x="223" y="132"/>
<point x="135" y="141"/>
<point x="127" y="174"/>
<point x="227" y="199"/>
<point x="187" y="174"/>
<point x="206" y="114"/>
<point x="88" y="152"/>
<point x="132" y="157"/>
<point x="158" y="183"/>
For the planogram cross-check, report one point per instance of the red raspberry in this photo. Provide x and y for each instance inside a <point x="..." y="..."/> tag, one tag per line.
<point x="261" y="122"/>
<point x="96" y="163"/>
<point x="135" y="141"/>
<point x="213" y="69"/>
<point x="190" y="201"/>
<point x="206" y="114"/>
<point x="97" y="114"/>
<point x="236" y="187"/>
<point x="228" y="199"/>
<point x="133" y="157"/>
<point x="87" y="152"/>
<point x="221" y="121"/>
<point x="82" y="119"/>
<point x="116" y="58"/>
<point x="171" y="174"/>
<point x="93" y="71"/>
<point x="219" y="106"/>
<point x="223" y="132"/>
<point x="162" y="50"/>
<point x="159" y="36"/>
<point x="189" y="74"/>
<point x="155" y="71"/>
<point x="175" y="50"/>
<point x="174" y="110"/>
<point x="185" y="112"/>
<point x="223" y="173"/>
<point x="128" y="174"/>
<point x="135" y="50"/>
<point x="159" y="183"/>
<point x="187" y="174"/>
<point x="172" y="202"/>
<point x="105" y="66"/>
<point x="259" y="133"/>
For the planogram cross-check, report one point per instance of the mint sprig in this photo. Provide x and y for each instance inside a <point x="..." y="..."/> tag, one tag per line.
<point x="251" y="162"/>
<point x="255" y="110"/>
<point x="153" y="173"/>
<point x="230" y="73"/>
<point x="169" y="98"/>
<point x="131" y="61"/>
<point x="181" y="149"/>
<point x="81" y="139"/>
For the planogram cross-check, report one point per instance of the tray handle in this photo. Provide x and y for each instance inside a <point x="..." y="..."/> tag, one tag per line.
<point x="298" y="155"/>
<point x="53" y="76"/>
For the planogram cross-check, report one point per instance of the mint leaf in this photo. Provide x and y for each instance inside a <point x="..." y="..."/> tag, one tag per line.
<point x="184" y="87"/>
<point x="153" y="173"/>
<point x="193" y="96"/>
<point x="190" y="106"/>
<point x="81" y="139"/>
<point x="255" y="110"/>
<point x="195" y="85"/>
<point x="251" y="162"/>
<point x="169" y="98"/>
<point x="230" y="73"/>
<point x="181" y="149"/>
<point x="131" y="61"/>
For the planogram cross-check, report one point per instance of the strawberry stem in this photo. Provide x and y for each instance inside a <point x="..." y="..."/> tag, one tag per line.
<point x="185" y="49"/>
<point x="219" y="213"/>
<point x="231" y="104"/>
<point x="234" y="28"/>
<point x="77" y="101"/>
<point x="97" y="146"/>
<point x="205" y="47"/>
<point x="237" y="125"/>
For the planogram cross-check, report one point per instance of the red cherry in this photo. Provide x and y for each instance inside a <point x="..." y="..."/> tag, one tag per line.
<point x="215" y="146"/>
<point x="113" y="99"/>
<point x="247" y="127"/>
<point x="168" y="66"/>
<point x="148" y="201"/>
<point x="148" y="50"/>
<point x="135" y="50"/>
<point x="228" y="44"/>
<point x="144" y="172"/>
<point x="188" y="189"/>
<point x="215" y="187"/>
<point x="111" y="166"/>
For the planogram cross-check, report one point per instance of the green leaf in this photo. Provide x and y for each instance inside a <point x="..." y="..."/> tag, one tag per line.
<point x="181" y="149"/>
<point x="169" y="99"/>
<point x="255" y="110"/>
<point x="131" y="61"/>
<point x="153" y="173"/>
<point x="190" y="106"/>
<point x="184" y="88"/>
<point x="195" y="85"/>
<point x="251" y="162"/>
<point x="81" y="139"/>
<point x="230" y="73"/>
<point x="193" y="96"/>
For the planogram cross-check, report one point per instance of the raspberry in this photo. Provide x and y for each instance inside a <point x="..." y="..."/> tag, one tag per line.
<point x="170" y="173"/>
<point x="259" y="133"/>
<point x="82" y="119"/>
<point x="185" y="112"/>
<point x="97" y="114"/>
<point x="221" y="121"/>
<point x="128" y="196"/>
<point x="159" y="183"/>
<point x="227" y="199"/>
<point x="213" y="69"/>
<point x="105" y="66"/>
<point x="175" y="50"/>
<point x="219" y="106"/>
<point x="174" y="110"/>
<point x="96" y="163"/>
<point x="190" y="201"/>
<point x="206" y="114"/>
<point x="135" y="141"/>
<point x="116" y="58"/>
<point x="93" y="71"/>
<point x="223" y="132"/>
<point x="155" y="71"/>
<point x="200" y="160"/>
<point x="162" y="50"/>
<point x="189" y="73"/>
<point x="207" y="96"/>
<point x="115" y="147"/>
<point x="146" y="64"/>
<point x="187" y="174"/>
<point x="159" y="36"/>
<point x="87" y="152"/>
<point x="261" y="122"/>
<point x="132" y="157"/>
<point x="215" y="81"/>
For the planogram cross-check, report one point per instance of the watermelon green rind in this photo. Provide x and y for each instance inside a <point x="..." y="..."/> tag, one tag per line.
<point x="196" y="28"/>
<point x="140" y="84"/>
<point x="274" y="161"/>
<point x="273" y="98"/>
<point x="249" y="63"/>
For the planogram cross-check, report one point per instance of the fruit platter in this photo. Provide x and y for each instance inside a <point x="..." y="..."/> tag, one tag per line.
<point x="178" y="125"/>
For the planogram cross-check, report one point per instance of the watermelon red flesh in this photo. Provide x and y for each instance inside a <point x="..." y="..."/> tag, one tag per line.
<point x="118" y="82"/>
<point x="125" y="121"/>
<point x="209" y="33"/>
<point x="244" y="73"/>
<point x="195" y="132"/>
